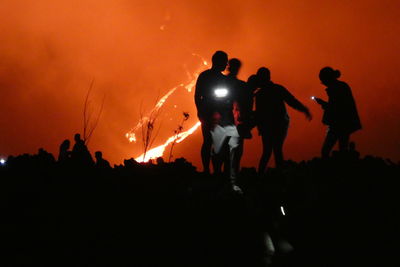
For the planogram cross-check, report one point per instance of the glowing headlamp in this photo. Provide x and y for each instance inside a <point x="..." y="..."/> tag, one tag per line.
<point x="220" y="92"/>
<point x="2" y="161"/>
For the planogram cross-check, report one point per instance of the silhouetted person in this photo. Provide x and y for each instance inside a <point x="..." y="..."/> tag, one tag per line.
<point x="244" y="98"/>
<point x="80" y="153"/>
<point x="100" y="162"/>
<point x="252" y="85"/>
<point x="272" y="118"/>
<point x="340" y="112"/>
<point x="215" y="103"/>
<point x="242" y="101"/>
<point x="64" y="152"/>
<point x="207" y="82"/>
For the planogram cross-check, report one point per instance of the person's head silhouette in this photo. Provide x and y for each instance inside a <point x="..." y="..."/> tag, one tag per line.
<point x="77" y="137"/>
<point x="219" y="60"/>
<point x="234" y="65"/>
<point x="98" y="155"/>
<point x="264" y="75"/>
<point x="65" y="145"/>
<point x="327" y="75"/>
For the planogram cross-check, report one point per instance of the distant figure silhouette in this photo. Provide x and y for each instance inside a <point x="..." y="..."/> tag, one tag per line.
<point x="64" y="153"/>
<point x="207" y="82"/>
<point x="340" y="112"/>
<point x="100" y="162"/>
<point x="272" y="118"/>
<point x="80" y="153"/>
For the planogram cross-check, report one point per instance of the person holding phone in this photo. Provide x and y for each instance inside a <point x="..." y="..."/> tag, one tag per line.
<point x="340" y="111"/>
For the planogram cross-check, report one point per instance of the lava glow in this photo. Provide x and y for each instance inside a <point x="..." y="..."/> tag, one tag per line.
<point x="159" y="150"/>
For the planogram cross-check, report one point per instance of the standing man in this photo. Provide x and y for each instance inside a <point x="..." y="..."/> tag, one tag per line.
<point x="206" y="83"/>
<point x="215" y="103"/>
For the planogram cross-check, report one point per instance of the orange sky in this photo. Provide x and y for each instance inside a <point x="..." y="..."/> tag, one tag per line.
<point x="50" y="51"/>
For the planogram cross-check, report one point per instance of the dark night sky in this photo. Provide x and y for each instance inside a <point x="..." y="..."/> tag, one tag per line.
<point x="50" y="51"/>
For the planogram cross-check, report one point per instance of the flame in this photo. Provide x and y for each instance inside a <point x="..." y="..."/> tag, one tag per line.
<point x="159" y="150"/>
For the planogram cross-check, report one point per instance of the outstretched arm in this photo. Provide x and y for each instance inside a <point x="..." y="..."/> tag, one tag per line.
<point x="296" y="104"/>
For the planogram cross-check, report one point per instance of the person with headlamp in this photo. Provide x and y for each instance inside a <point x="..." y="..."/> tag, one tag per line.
<point x="214" y="101"/>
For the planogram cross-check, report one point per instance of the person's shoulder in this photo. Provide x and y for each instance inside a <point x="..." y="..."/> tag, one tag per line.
<point x="235" y="80"/>
<point x="342" y="87"/>
<point x="278" y="86"/>
<point x="209" y="72"/>
<point x="205" y="73"/>
<point x="343" y="84"/>
<point x="202" y="73"/>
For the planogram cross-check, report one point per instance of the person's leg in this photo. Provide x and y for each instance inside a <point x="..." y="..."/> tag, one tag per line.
<point x="222" y="159"/>
<point x="278" y="141"/>
<point x="330" y="141"/>
<point x="240" y="149"/>
<point x="234" y="158"/>
<point x="206" y="147"/>
<point x="226" y="159"/>
<point x="266" y="154"/>
<point x="344" y="142"/>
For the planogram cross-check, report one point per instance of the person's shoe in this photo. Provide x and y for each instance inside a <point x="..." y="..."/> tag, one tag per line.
<point x="237" y="189"/>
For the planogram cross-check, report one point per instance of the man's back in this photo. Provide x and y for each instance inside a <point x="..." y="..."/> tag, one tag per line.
<point x="205" y="98"/>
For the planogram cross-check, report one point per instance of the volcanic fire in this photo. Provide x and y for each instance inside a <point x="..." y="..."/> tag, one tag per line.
<point x="158" y="151"/>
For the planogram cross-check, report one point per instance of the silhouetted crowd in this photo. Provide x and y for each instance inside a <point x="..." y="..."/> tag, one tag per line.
<point x="339" y="209"/>
<point x="74" y="210"/>
<point x="225" y="108"/>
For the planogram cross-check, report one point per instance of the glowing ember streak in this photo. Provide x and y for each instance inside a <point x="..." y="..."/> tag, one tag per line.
<point x="159" y="151"/>
<point x="205" y="63"/>
<point x="131" y="136"/>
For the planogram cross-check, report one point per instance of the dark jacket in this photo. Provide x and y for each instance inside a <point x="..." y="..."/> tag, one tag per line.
<point x="341" y="111"/>
<point x="210" y="108"/>
<point x="270" y="105"/>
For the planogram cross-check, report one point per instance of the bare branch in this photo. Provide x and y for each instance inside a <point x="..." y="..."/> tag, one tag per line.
<point x="177" y="133"/>
<point x="91" y="130"/>
<point x="85" y="110"/>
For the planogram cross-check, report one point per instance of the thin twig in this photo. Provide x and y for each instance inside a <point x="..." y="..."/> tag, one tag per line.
<point x="85" y="110"/>
<point x="91" y="130"/>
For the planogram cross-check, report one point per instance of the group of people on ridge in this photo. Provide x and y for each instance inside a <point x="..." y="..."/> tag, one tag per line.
<point x="225" y="108"/>
<point x="80" y="156"/>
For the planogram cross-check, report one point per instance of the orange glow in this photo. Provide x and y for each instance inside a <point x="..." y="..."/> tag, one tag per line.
<point x="159" y="150"/>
